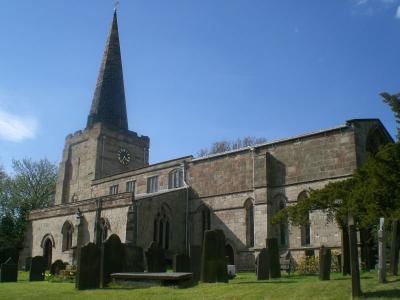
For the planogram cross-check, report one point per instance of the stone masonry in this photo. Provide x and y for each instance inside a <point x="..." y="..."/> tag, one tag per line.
<point x="175" y="201"/>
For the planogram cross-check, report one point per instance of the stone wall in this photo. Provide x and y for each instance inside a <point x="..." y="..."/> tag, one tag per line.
<point x="101" y="187"/>
<point x="93" y="154"/>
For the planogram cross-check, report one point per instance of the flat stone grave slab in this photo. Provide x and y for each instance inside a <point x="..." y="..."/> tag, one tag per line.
<point x="147" y="279"/>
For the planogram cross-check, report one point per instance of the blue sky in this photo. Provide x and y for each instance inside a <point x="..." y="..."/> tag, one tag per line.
<point x="195" y="71"/>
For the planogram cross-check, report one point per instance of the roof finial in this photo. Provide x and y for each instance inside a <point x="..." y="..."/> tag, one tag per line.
<point x="116" y="5"/>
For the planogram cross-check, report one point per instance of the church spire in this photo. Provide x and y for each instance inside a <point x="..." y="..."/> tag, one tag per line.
<point x="108" y="105"/>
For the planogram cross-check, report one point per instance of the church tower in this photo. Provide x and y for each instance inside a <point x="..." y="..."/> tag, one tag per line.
<point x="106" y="146"/>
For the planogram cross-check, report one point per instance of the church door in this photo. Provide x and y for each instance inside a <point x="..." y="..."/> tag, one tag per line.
<point x="47" y="253"/>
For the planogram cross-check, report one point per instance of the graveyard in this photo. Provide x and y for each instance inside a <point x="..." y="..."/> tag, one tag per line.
<point x="244" y="286"/>
<point x="117" y="270"/>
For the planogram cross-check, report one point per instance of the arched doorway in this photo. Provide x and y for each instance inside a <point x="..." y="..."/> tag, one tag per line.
<point x="229" y="254"/>
<point x="48" y="252"/>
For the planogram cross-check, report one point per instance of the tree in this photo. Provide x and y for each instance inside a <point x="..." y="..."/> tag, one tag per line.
<point x="394" y="102"/>
<point x="32" y="187"/>
<point x="224" y="145"/>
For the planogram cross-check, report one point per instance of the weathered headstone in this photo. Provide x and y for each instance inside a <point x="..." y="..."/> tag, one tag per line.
<point x="181" y="263"/>
<point x="325" y="259"/>
<point x="273" y="255"/>
<point x="56" y="267"/>
<point x="8" y="271"/>
<point x="155" y="257"/>
<point x="213" y="264"/>
<point x="394" y="248"/>
<point x="88" y="271"/>
<point x="37" y="270"/>
<point x="263" y="265"/>
<point x="112" y="259"/>
<point x="355" y="268"/>
<point x="382" y="252"/>
<point x="133" y="258"/>
<point x="195" y="261"/>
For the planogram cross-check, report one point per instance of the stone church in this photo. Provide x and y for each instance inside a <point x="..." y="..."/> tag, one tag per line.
<point x="105" y="177"/>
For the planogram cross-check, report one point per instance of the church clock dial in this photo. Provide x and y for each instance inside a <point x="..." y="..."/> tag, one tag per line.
<point x="124" y="157"/>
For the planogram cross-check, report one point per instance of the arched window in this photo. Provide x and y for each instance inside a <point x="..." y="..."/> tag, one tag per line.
<point x="283" y="227"/>
<point x="175" y="178"/>
<point x="249" y="208"/>
<point x="104" y="228"/>
<point x="66" y="232"/>
<point x="161" y="233"/>
<point x="305" y="230"/>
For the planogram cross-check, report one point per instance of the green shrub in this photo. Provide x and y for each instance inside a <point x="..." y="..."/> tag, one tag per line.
<point x="335" y="262"/>
<point x="308" y="265"/>
<point x="64" y="276"/>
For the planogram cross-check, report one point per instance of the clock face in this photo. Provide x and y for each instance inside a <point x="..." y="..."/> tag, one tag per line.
<point x="124" y="157"/>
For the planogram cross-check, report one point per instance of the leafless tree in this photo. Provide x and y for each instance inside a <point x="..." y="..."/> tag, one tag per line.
<point x="224" y="145"/>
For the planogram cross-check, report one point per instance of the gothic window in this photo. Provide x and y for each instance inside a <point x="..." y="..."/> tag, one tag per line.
<point x="175" y="179"/>
<point x="205" y="220"/>
<point x="114" y="189"/>
<point x="104" y="228"/>
<point x="152" y="184"/>
<point x="249" y="208"/>
<point x="66" y="232"/>
<point x="283" y="231"/>
<point x="305" y="229"/>
<point x="161" y="233"/>
<point x="130" y="186"/>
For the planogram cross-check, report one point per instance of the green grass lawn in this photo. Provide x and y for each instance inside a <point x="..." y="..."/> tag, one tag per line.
<point x="244" y="286"/>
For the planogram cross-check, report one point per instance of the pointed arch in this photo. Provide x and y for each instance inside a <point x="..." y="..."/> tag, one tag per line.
<point x="161" y="232"/>
<point x="67" y="231"/>
<point x="281" y="202"/>
<point x="48" y="244"/>
<point x="47" y="236"/>
<point x="249" y="220"/>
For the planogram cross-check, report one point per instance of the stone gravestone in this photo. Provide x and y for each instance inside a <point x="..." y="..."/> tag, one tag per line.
<point x="273" y="255"/>
<point x="56" y="267"/>
<point x="381" y="252"/>
<point x="133" y="258"/>
<point x="213" y="264"/>
<point x="37" y="270"/>
<point x="181" y="263"/>
<point x="354" y="265"/>
<point x="195" y="261"/>
<point x="8" y="271"/>
<point x="263" y="265"/>
<point x="325" y="259"/>
<point x="394" y="247"/>
<point x="88" y="271"/>
<point x="155" y="257"/>
<point x="112" y="259"/>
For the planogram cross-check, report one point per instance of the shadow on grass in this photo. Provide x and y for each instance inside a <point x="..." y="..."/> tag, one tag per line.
<point x="395" y="294"/>
<point x="342" y="278"/>
<point x="265" y="281"/>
